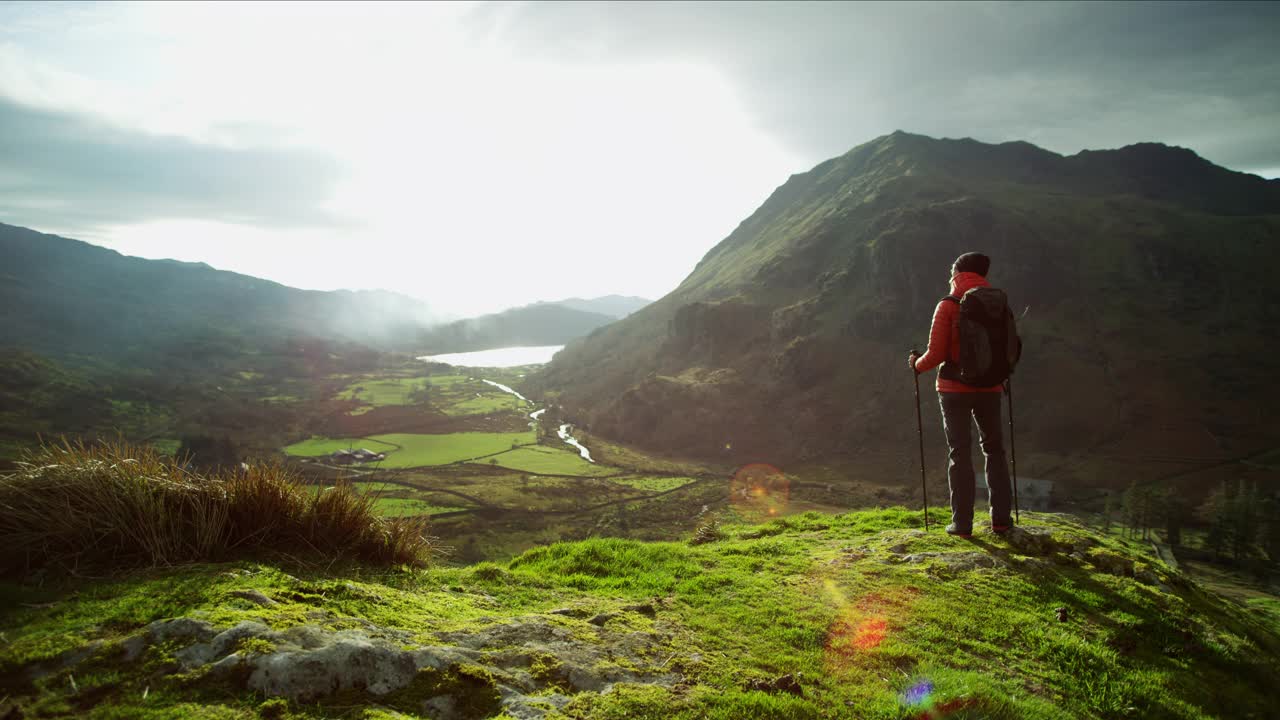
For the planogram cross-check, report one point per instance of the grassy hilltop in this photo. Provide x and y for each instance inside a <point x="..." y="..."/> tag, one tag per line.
<point x="855" y="615"/>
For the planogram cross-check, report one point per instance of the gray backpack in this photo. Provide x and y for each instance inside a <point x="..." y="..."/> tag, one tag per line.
<point x="989" y="344"/>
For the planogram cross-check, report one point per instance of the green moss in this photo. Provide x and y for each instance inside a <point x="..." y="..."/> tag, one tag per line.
<point x="255" y="646"/>
<point x="472" y="688"/>
<point x="821" y="596"/>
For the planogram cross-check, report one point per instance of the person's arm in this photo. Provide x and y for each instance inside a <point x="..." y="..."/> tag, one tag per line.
<point x="939" y="337"/>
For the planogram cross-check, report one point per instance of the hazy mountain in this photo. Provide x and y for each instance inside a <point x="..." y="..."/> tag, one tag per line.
<point x="537" y="324"/>
<point x="1145" y="277"/>
<point x="64" y="297"/>
<point x="616" y="306"/>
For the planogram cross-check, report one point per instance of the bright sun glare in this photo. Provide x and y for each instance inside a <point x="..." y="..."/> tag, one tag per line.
<point x="546" y="178"/>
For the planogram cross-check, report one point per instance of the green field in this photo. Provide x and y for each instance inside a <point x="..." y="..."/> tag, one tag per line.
<point x="653" y="484"/>
<point x="383" y="391"/>
<point x="550" y="461"/>
<point x="318" y="446"/>
<point x="484" y="403"/>
<point x="414" y="450"/>
<point x="394" y="507"/>
<point x="444" y="381"/>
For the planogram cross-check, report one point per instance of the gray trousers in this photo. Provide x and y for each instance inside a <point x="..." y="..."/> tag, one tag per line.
<point x="984" y="407"/>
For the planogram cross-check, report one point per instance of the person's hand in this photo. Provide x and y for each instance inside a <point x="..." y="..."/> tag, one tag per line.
<point x="911" y="359"/>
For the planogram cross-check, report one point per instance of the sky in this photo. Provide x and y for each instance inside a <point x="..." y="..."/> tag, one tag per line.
<point x="481" y="156"/>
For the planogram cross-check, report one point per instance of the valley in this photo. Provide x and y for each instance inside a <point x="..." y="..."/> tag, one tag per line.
<point x="498" y="473"/>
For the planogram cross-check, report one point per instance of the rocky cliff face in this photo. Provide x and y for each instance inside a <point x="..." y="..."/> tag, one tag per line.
<point x="1142" y="277"/>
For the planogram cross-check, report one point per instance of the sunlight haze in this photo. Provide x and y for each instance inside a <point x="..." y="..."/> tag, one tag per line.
<point x="444" y="151"/>
<point x="481" y="156"/>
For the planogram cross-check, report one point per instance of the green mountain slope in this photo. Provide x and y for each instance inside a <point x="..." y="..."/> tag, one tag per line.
<point x="857" y="615"/>
<point x="65" y="298"/>
<point x="1144" y="279"/>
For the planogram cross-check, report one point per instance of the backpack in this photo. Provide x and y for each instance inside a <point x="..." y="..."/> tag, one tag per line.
<point x="989" y="342"/>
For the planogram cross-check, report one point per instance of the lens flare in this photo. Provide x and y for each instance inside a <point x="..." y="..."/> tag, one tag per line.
<point x="862" y="625"/>
<point x="759" y="491"/>
<point x="918" y="695"/>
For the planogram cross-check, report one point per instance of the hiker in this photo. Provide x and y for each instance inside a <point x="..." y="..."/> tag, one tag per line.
<point x="960" y="400"/>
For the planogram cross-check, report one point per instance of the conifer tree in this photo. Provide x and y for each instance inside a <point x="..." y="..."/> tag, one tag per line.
<point x="1244" y="520"/>
<point x="1108" y="511"/>
<point x="1132" y="503"/>
<point x="1216" y="511"/>
<point x="1269" y="532"/>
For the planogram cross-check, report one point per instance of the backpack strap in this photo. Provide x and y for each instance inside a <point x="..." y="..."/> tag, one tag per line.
<point x="952" y="298"/>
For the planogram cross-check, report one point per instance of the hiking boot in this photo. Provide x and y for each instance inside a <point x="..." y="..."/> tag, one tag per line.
<point x="1001" y="529"/>
<point x="954" y="529"/>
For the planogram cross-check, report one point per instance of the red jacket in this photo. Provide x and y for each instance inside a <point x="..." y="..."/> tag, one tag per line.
<point x="944" y="340"/>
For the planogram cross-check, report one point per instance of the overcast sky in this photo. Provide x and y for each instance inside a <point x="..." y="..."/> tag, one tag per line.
<point x="481" y="156"/>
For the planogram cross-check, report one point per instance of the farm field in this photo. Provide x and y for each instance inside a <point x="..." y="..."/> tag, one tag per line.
<point x="397" y="507"/>
<point x="653" y="483"/>
<point x="454" y="395"/>
<point x="485" y="402"/>
<point x="405" y="450"/>
<point x="385" y="391"/>
<point x="550" y="461"/>
<point x="321" y="446"/>
<point x="497" y="490"/>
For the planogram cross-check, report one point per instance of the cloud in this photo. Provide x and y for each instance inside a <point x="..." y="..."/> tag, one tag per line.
<point x="74" y="172"/>
<point x="827" y="76"/>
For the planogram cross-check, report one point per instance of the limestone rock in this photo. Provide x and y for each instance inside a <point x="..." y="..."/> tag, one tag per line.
<point x="254" y="596"/>
<point x="350" y="662"/>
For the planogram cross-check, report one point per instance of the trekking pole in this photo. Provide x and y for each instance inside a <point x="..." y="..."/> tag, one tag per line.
<point x="924" y="487"/>
<point x="1013" y="453"/>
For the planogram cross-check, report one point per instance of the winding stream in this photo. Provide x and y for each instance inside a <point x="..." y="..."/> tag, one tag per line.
<point x="565" y="436"/>
<point x="504" y="388"/>
<point x="563" y="432"/>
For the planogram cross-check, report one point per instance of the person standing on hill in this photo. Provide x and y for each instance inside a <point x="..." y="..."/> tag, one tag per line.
<point x="961" y="400"/>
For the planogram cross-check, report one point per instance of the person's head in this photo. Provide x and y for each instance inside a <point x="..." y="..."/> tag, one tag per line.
<point x="974" y="262"/>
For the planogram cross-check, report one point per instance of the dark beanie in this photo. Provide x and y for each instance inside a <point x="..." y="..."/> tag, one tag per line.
<point x="973" y="262"/>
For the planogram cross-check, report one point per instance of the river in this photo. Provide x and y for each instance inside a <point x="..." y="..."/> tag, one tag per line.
<point x="563" y="432"/>
<point x="582" y="450"/>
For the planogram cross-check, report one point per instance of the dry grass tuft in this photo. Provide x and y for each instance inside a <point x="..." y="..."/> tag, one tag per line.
<point x="112" y="505"/>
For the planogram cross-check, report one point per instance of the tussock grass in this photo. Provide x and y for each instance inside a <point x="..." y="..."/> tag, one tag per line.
<point x="113" y="505"/>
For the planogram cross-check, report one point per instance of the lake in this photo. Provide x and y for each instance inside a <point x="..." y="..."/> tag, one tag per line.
<point x="498" y="357"/>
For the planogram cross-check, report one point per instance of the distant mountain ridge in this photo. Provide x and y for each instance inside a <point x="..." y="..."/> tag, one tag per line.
<point x="64" y="297"/>
<point x="532" y="325"/>
<point x="616" y="306"/>
<point x="1145" y="277"/>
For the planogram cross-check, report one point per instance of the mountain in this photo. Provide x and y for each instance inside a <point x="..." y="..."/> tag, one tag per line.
<point x="64" y="297"/>
<point x="532" y="325"/>
<point x="1144" y="279"/>
<point x="616" y="306"/>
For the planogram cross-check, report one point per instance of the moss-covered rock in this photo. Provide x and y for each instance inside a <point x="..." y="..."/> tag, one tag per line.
<point x="806" y="616"/>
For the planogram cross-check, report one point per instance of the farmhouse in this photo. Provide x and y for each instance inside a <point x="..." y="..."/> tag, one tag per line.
<point x="363" y="455"/>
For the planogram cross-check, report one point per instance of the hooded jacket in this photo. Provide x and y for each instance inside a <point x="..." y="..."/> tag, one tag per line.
<point x="944" y="338"/>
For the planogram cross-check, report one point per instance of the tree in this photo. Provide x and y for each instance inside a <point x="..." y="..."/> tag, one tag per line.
<point x="1177" y="512"/>
<point x="1108" y="511"/>
<point x="420" y="394"/>
<point x="1244" y="518"/>
<point x="1140" y="509"/>
<point x="1217" y="512"/>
